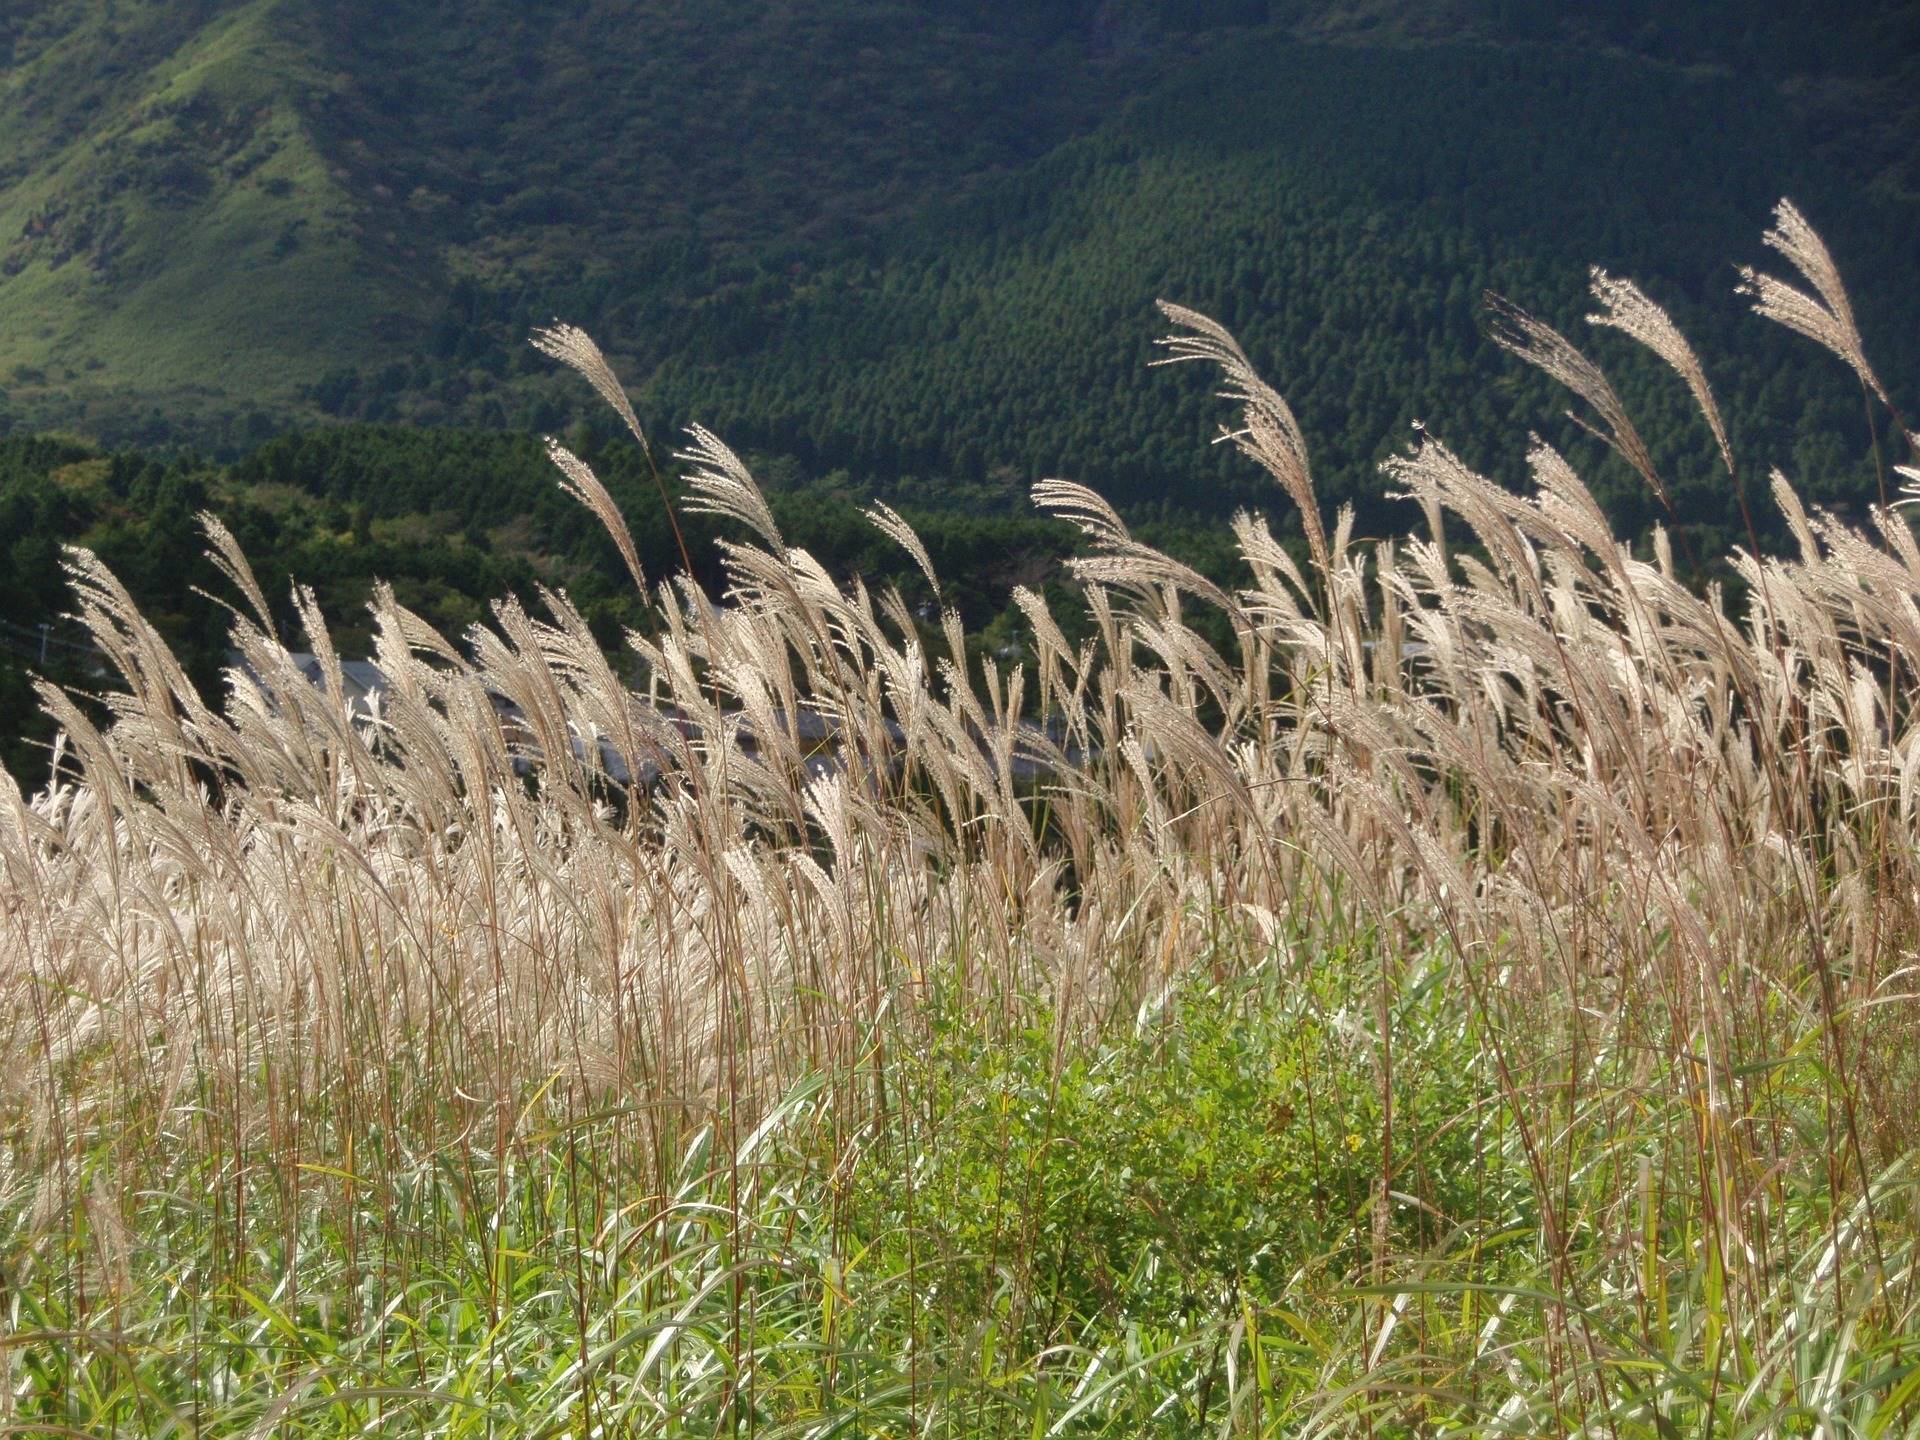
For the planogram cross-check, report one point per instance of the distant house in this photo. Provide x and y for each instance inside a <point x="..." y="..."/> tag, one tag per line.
<point x="819" y="736"/>
<point x="361" y="681"/>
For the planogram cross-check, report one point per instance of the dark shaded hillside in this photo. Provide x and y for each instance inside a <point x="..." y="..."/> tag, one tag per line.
<point x="1348" y="244"/>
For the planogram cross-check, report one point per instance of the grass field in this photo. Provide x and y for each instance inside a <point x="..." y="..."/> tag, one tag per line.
<point x="1477" y="1000"/>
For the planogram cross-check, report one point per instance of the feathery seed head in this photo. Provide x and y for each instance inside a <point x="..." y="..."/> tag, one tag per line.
<point x="572" y="346"/>
<point x="1626" y="308"/>
<point x="1826" y="315"/>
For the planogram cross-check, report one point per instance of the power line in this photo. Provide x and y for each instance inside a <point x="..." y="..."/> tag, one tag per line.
<point x="40" y="636"/>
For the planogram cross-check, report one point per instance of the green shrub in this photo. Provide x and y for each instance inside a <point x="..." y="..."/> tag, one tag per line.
<point x="1227" y="1142"/>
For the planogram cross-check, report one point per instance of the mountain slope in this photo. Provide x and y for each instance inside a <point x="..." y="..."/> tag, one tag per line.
<point x="895" y="236"/>
<point x="171" y="229"/>
<point x="212" y="206"/>
<point x="1343" y="209"/>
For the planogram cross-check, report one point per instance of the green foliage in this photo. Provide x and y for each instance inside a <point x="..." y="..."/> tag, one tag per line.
<point x="392" y="1258"/>
<point x="1225" y="1149"/>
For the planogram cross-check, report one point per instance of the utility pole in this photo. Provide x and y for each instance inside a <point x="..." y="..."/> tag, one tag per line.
<point x="44" y="628"/>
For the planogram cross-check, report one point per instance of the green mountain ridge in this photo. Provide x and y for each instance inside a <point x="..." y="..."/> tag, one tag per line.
<point x="891" y="236"/>
<point x="210" y="207"/>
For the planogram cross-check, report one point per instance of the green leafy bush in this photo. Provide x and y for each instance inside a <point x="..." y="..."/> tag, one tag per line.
<point x="1233" y="1138"/>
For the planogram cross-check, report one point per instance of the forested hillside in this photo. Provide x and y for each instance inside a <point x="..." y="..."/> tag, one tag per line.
<point x="1347" y="241"/>
<point x="903" y="239"/>
<point x="221" y="214"/>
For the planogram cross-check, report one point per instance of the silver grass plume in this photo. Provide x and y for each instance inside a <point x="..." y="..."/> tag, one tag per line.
<point x="720" y="484"/>
<point x="1826" y="316"/>
<point x="572" y="346"/>
<point x="232" y="563"/>
<point x="579" y="481"/>
<point x="1085" y="509"/>
<point x="1550" y="352"/>
<point x="1626" y="308"/>
<point x="1269" y="434"/>
<point x="888" y="522"/>
<point x="1910" y="491"/>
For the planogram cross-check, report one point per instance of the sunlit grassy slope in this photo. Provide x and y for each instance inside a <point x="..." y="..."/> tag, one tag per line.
<point x="172" y="229"/>
<point x="223" y="203"/>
